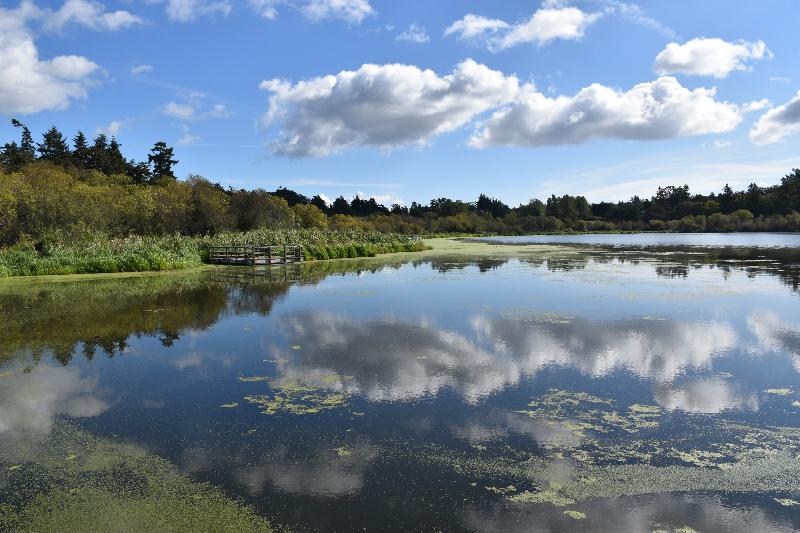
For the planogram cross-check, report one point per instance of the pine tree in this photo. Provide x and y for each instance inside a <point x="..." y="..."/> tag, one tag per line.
<point x="54" y="147"/>
<point x="15" y="156"/>
<point x="98" y="153"/>
<point x="80" y="151"/>
<point x="161" y="159"/>
<point x="115" y="162"/>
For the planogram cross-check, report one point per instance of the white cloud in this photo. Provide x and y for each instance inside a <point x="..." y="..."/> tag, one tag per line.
<point x="635" y="14"/>
<point x="138" y="70"/>
<point x="756" y="105"/>
<point x="414" y="34"/>
<point x="777" y="123"/>
<point x="709" y="57"/>
<point x="546" y="24"/>
<point x="325" y="199"/>
<point x="707" y="396"/>
<point x="781" y="79"/>
<point x="113" y="128"/>
<point x="354" y="11"/>
<point x="721" y="143"/>
<point x="384" y="199"/>
<point x="187" y="137"/>
<point x="383" y="106"/>
<point x="29" y="84"/>
<point x="472" y="26"/>
<point x="188" y="10"/>
<point x="90" y="14"/>
<point x="182" y="111"/>
<point x="661" y="109"/>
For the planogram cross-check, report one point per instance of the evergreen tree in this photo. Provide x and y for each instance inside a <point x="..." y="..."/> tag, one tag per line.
<point x="139" y="171"/>
<point x="161" y="159"/>
<point x="318" y="202"/>
<point x="115" y="162"/>
<point x="54" y="147"/>
<point x="26" y="144"/>
<point x="80" y="150"/>
<point x="98" y="153"/>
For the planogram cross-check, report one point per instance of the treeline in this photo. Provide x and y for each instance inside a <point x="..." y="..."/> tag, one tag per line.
<point x="61" y="191"/>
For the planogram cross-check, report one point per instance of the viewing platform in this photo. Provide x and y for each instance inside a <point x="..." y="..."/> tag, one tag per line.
<point x="255" y="255"/>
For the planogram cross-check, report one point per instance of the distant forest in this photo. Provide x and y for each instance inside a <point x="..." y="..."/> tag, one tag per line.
<point x="70" y="189"/>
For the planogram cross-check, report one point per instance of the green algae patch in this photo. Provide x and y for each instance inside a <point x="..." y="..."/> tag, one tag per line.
<point x="502" y="490"/>
<point x="577" y="515"/>
<point x="229" y="405"/>
<point x="111" y="486"/>
<point x="787" y="502"/>
<point x="297" y="398"/>
<point x="253" y="379"/>
<point x="544" y="496"/>
<point x="779" y="392"/>
<point x="343" y="452"/>
<point x="6" y="373"/>
<point x="580" y="412"/>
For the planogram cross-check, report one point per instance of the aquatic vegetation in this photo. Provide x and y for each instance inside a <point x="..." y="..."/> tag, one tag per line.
<point x="551" y="496"/>
<point x="343" y="452"/>
<point x="580" y="412"/>
<point x="253" y="379"/>
<point x="229" y="405"/>
<point x="297" y="398"/>
<point x="502" y="490"/>
<point x="577" y="515"/>
<point x="110" y="486"/>
<point x="779" y="392"/>
<point x="787" y="502"/>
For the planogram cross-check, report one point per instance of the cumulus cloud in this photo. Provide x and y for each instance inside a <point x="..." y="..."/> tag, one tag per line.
<point x="188" y="10"/>
<point x="182" y="111"/>
<point x="709" y="57"/>
<point x="777" y="123"/>
<point x="414" y="34"/>
<point x="546" y="24"/>
<point x="113" y="128"/>
<point x="472" y="26"/>
<point x="90" y="14"/>
<point x="661" y="109"/>
<point x="383" y="106"/>
<point x="30" y="84"/>
<point x="353" y="11"/>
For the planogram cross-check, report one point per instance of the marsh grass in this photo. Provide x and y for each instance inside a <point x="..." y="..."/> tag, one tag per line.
<point x="99" y="254"/>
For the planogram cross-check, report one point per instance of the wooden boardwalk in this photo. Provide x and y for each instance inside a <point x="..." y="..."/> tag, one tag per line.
<point x="255" y="255"/>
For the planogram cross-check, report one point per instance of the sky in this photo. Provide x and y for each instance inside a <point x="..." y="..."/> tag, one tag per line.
<point x="418" y="99"/>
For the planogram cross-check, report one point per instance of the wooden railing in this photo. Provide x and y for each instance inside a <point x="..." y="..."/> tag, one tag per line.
<point x="255" y="255"/>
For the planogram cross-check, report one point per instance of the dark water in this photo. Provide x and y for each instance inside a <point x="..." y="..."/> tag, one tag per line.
<point x="580" y="389"/>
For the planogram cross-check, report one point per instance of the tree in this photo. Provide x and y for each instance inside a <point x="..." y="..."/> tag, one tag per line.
<point x="321" y="204"/>
<point x="81" y="154"/>
<point x="161" y="159"/>
<point x="15" y="156"/>
<point x="98" y="153"/>
<point x="54" y="147"/>
<point x="309" y="216"/>
<point x="492" y="206"/>
<point x="340" y="206"/>
<point x="115" y="162"/>
<point x="292" y="198"/>
<point x="727" y="200"/>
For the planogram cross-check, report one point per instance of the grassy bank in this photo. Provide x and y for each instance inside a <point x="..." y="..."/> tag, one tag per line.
<point x="142" y="254"/>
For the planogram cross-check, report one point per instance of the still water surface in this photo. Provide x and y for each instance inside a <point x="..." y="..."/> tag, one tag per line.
<point x="569" y="388"/>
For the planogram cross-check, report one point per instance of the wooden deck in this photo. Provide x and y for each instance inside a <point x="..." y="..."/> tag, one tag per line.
<point x="255" y="255"/>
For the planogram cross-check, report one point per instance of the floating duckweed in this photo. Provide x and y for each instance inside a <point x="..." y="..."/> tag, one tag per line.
<point x="229" y="405"/>
<point x="502" y="490"/>
<point x="577" y="515"/>
<point x="116" y="487"/>
<point x="294" y="397"/>
<point x="6" y="373"/>
<point x="72" y="457"/>
<point x="699" y="457"/>
<point x="296" y="347"/>
<point x="787" y="502"/>
<point x="579" y="412"/>
<point x="545" y="496"/>
<point x="344" y="452"/>
<point x="253" y="379"/>
<point x="14" y="467"/>
<point x="779" y="392"/>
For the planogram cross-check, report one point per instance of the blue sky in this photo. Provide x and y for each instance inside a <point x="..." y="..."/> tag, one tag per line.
<point x="416" y="99"/>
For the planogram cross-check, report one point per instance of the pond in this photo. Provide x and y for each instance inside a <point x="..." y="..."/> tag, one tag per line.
<point x="490" y="388"/>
